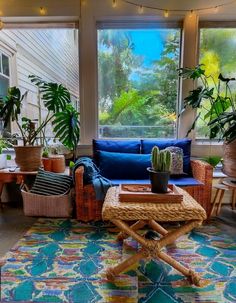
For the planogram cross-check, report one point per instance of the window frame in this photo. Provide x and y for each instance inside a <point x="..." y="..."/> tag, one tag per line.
<point x="210" y="25"/>
<point x="140" y="24"/>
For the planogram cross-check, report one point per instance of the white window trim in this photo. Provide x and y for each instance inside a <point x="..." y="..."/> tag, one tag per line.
<point x="10" y="52"/>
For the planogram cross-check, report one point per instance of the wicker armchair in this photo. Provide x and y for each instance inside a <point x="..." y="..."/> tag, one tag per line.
<point x="90" y="209"/>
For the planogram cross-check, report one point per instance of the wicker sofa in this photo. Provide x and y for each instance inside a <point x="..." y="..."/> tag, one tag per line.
<point x="115" y="164"/>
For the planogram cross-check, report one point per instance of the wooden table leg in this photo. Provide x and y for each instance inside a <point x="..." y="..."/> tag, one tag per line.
<point x="1" y="189"/>
<point x="127" y="230"/>
<point x="112" y="272"/>
<point x="233" y="201"/>
<point x="190" y="274"/>
<point x="175" y="234"/>
<point x="136" y="226"/>
<point x="220" y="202"/>
<point x="214" y="202"/>
<point x="157" y="227"/>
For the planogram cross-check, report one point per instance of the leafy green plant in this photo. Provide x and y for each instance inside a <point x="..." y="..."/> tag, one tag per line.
<point x="4" y="144"/>
<point x="71" y="164"/>
<point x="57" y="101"/>
<point x="221" y="116"/>
<point x="212" y="160"/>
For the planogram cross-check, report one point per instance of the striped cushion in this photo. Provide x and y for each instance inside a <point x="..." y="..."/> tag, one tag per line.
<point x="48" y="184"/>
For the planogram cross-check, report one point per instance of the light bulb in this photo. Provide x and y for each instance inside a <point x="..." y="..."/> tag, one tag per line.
<point x="166" y="13"/>
<point x="114" y="3"/>
<point x="42" y="11"/>
<point x="140" y="9"/>
<point x="191" y="13"/>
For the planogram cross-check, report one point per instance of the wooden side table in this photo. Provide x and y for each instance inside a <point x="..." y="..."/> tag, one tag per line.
<point x="188" y="211"/>
<point x="224" y="185"/>
<point x="8" y="176"/>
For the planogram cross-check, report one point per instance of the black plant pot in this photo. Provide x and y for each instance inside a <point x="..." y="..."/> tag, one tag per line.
<point x="159" y="181"/>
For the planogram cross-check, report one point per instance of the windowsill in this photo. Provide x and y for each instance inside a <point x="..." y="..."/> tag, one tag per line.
<point x="207" y="143"/>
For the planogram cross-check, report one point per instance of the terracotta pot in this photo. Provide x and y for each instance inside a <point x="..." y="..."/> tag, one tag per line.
<point x="28" y="158"/>
<point x="229" y="156"/>
<point x="58" y="164"/>
<point x="47" y="164"/>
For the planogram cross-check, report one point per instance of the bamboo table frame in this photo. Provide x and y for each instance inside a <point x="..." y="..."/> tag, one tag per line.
<point x="8" y="176"/>
<point x="147" y="214"/>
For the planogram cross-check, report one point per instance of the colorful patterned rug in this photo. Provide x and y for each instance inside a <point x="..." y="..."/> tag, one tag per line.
<point x="64" y="261"/>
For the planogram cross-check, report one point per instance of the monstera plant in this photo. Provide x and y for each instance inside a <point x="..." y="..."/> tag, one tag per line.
<point x="60" y="113"/>
<point x="218" y="102"/>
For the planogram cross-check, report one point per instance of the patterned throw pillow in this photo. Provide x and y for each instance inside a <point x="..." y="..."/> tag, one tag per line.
<point x="177" y="160"/>
<point x="49" y="184"/>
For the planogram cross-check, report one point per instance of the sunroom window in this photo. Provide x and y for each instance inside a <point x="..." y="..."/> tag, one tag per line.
<point x="217" y="53"/>
<point x="138" y="82"/>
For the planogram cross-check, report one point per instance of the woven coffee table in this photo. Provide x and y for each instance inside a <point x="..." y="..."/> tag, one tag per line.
<point x="143" y="214"/>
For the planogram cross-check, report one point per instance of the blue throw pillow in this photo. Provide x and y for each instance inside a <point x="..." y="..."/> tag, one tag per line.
<point x="185" y="144"/>
<point x="124" y="165"/>
<point x="120" y="146"/>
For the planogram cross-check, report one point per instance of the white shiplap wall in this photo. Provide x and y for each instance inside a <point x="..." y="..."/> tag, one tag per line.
<point x="49" y="53"/>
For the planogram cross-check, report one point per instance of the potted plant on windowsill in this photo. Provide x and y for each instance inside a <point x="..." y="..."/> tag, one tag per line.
<point x="160" y="171"/>
<point x="60" y="112"/>
<point x="219" y="103"/>
<point x="4" y="144"/>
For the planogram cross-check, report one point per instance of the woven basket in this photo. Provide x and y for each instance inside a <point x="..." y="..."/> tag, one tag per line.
<point x="28" y="158"/>
<point x="58" y="206"/>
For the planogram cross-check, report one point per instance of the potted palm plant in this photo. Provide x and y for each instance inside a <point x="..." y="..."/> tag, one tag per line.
<point x="160" y="171"/>
<point x="218" y="102"/>
<point x="60" y="112"/>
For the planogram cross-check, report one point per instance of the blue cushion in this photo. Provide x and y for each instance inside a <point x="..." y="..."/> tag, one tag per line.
<point x="124" y="165"/>
<point x="185" y="144"/>
<point x="187" y="181"/>
<point x="124" y="146"/>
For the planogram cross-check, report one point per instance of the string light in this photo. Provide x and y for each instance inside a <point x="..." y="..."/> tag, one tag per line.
<point x="166" y="13"/>
<point x="114" y="3"/>
<point x="189" y="11"/>
<point x="42" y="11"/>
<point x="140" y="9"/>
<point x="1" y="25"/>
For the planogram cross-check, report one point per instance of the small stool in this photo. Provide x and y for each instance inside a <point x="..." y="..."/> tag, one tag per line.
<point x="226" y="184"/>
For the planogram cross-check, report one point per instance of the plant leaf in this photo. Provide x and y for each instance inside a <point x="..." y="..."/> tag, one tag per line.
<point x="66" y="127"/>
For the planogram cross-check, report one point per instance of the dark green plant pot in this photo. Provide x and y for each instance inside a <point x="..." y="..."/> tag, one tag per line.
<point x="159" y="181"/>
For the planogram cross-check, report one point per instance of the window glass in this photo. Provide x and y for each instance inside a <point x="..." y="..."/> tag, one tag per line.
<point x="4" y="84"/>
<point x="138" y="82"/>
<point x="218" y="54"/>
<point x="5" y="65"/>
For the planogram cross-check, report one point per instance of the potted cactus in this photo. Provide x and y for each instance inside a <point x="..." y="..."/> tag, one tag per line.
<point x="160" y="170"/>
